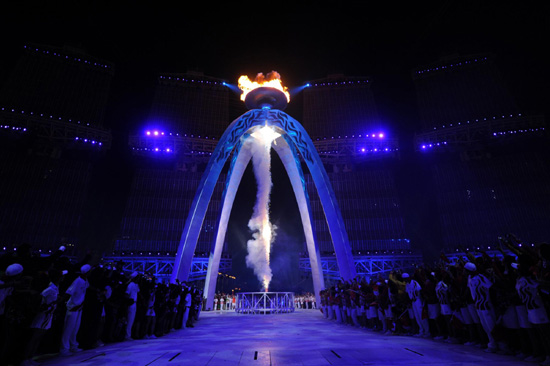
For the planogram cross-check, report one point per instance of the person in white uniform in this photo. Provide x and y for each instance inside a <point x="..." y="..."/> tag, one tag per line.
<point x="132" y="291"/>
<point x="479" y="286"/>
<point x="43" y="320"/>
<point x="528" y="288"/>
<point x="443" y="293"/>
<point x="413" y="289"/>
<point x="77" y="292"/>
<point x="188" y="298"/>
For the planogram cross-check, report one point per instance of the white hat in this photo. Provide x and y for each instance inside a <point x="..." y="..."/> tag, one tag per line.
<point x="514" y="265"/>
<point x="470" y="266"/>
<point x="14" y="269"/>
<point x="85" y="268"/>
<point x="64" y="272"/>
<point x="62" y="248"/>
<point x="405" y="275"/>
<point x="134" y="274"/>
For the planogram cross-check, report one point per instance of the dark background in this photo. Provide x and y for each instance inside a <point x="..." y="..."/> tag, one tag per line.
<point x="303" y="40"/>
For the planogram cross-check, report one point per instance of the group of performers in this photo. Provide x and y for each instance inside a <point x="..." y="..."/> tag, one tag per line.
<point x="305" y="301"/>
<point x="498" y="303"/>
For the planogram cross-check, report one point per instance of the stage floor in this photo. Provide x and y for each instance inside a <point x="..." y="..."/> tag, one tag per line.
<point x="300" y="338"/>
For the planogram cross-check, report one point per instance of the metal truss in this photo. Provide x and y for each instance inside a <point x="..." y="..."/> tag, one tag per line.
<point x="365" y="265"/>
<point x="335" y="150"/>
<point x="162" y="267"/>
<point x="455" y="257"/>
<point x="193" y="148"/>
<point x="265" y="302"/>
<point x="348" y="149"/>
<point x="60" y="131"/>
<point x="479" y="131"/>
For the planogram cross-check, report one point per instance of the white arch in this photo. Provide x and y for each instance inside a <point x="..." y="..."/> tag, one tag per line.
<point x="297" y="140"/>
<point x="236" y="171"/>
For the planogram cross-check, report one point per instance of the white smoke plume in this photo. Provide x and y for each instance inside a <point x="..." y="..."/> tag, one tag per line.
<point x="263" y="232"/>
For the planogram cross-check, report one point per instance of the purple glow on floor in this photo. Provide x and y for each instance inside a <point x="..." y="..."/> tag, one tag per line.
<point x="304" y="337"/>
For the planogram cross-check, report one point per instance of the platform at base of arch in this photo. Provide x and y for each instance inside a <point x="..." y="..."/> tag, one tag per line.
<point x="265" y="302"/>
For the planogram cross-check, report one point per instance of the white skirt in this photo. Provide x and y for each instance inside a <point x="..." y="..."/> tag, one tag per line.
<point x="446" y="309"/>
<point x="537" y="316"/>
<point x="523" y="318"/>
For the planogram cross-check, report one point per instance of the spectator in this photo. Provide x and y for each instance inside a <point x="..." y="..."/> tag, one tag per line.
<point x="150" y="312"/>
<point x="132" y="290"/>
<point x="76" y="292"/>
<point x="529" y="291"/>
<point x="413" y="289"/>
<point x="43" y="320"/>
<point x="21" y="302"/>
<point x="479" y="286"/>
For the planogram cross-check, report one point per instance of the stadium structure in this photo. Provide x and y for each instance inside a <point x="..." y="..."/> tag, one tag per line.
<point x="476" y="168"/>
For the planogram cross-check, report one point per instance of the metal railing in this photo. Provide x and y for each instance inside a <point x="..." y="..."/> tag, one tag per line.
<point x="265" y="302"/>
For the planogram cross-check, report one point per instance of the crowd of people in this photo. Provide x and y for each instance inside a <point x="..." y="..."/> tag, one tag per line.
<point x="223" y="301"/>
<point x="83" y="305"/>
<point x="499" y="303"/>
<point x="305" y="301"/>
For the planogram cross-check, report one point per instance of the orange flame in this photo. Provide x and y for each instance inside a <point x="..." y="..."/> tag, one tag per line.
<point x="271" y="80"/>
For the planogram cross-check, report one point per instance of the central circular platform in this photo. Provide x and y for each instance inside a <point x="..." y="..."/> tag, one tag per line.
<point x="263" y="97"/>
<point x="264" y="302"/>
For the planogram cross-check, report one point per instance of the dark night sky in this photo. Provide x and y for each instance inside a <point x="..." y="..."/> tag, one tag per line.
<point x="302" y="40"/>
